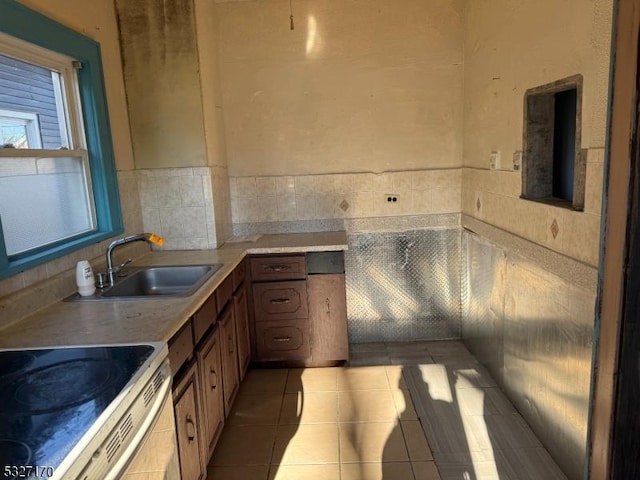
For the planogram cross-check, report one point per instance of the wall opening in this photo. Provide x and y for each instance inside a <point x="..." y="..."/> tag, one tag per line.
<point x="554" y="164"/>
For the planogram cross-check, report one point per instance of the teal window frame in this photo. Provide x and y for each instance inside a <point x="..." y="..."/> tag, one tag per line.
<point x="28" y="25"/>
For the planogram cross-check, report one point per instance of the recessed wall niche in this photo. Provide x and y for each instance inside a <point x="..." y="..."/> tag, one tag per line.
<point x="554" y="164"/>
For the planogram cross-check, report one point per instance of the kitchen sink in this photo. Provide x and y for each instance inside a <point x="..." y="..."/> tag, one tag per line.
<point x="155" y="282"/>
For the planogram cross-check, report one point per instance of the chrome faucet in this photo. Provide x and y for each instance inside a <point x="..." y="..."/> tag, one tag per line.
<point x="112" y="272"/>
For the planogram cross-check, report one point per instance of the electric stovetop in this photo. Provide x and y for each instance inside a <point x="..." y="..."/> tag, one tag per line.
<point x="49" y="398"/>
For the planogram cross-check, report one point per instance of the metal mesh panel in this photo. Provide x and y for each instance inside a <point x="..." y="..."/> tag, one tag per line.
<point x="403" y="286"/>
<point x="534" y="332"/>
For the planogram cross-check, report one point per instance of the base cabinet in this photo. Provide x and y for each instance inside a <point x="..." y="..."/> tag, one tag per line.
<point x="241" y="314"/>
<point x="328" y="318"/>
<point x="188" y="423"/>
<point x="207" y="356"/>
<point x="299" y="309"/>
<point x="229" y="358"/>
<point x="210" y="371"/>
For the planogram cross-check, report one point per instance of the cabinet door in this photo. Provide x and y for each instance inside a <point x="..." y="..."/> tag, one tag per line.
<point x="229" y="358"/>
<point x="187" y="423"/>
<point x="280" y="301"/>
<point x="328" y="318"/>
<point x="241" y="314"/>
<point x="209" y="365"/>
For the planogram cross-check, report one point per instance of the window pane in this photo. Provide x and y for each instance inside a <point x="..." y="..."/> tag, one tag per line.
<point x="14" y="136"/>
<point x="32" y="113"/>
<point x="43" y="200"/>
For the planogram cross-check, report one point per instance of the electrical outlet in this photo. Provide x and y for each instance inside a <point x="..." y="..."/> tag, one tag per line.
<point x="517" y="160"/>
<point x="494" y="160"/>
<point x="391" y="198"/>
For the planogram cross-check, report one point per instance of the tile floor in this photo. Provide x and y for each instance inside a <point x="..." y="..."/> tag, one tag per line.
<point x="371" y="421"/>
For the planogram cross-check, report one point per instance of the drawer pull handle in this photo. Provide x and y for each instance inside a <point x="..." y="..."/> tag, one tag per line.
<point x="282" y="339"/>
<point x="280" y="301"/>
<point x="214" y="382"/>
<point x="277" y="268"/>
<point x="191" y="428"/>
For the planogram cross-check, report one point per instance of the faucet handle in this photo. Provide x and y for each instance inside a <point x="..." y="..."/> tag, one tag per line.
<point x="124" y="264"/>
<point x="102" y="280"/>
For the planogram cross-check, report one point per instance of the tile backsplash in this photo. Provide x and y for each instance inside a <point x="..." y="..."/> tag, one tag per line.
<point x="494" y="197"/>
<point x="306" y="198"/>
<point x="178" y="203"/>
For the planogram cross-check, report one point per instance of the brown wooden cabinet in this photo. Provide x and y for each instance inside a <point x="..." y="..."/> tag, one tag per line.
<point x="299" y="308"/>
<point x="210" y="371"/>
<point x="328" y="317"/>
<point x="241" y="315"/>
<point x="229" y="358"/>
<point x="188" y="424"/>
<point x="205" y="356"/>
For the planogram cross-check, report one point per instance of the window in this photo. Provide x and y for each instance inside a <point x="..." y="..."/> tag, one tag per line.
<point x="58" y="187"/>
<point x="18" y="129"/>
<point x="553" y="164"/>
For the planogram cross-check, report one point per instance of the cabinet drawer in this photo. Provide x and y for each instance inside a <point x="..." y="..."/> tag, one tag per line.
<point x="280" y="301"/>
<point x="265" y="269"/>
<point x="239" y="274"/>
<point x="180" y="348"/>
<point x="224" y="292"/>
<point x="204" y="318"/>
<point x="283" y="340"/>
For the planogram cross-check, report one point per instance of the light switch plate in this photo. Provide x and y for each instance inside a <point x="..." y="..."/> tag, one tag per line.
<point x="517" y="160"/>
<point x="494" y="160"/>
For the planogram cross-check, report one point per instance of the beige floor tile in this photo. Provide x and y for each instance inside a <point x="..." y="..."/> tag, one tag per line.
<point x="394" y="375"/>
<point x="367" y="406"/>
<point x="417" y="444"/>
<point x="256" y="472"/>
<point x="263" y="409"/>
<point x="313" y="407"/>
<point x="372" y="442"/>
<point x="232" y="446"/>
<point x="264" y="381"/>
<point x="312" y="380"/>
<point x="363" y="378"/>
<point x="305" y="472"/>
<point x="376" y="471"/>
<point x="404" y="405"/>
<point x="306" y="444"/>
<point x="425" y="471"/>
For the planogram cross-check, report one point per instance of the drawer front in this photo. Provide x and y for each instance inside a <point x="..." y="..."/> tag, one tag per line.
<point x="180" y="348"/>
<point x="239" y="274"/>
<point x="265" y="269"/>
<point x="283" y="341"/>
<point x="280" y="301"/>
<point x="204" y="318"/>
<point x="224" y="292"/>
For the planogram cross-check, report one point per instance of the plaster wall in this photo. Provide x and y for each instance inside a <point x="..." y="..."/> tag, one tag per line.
<point x="158" y="41"/>
<point x="207" y="31"/>
<point x="358" y="86"/>
<point x="509" y="48"/>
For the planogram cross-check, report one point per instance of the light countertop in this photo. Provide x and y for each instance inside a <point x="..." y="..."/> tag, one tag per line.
<point x="154" y="319"/>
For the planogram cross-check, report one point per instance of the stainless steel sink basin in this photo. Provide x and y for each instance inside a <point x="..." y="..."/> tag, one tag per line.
<point x="155" y="282"/>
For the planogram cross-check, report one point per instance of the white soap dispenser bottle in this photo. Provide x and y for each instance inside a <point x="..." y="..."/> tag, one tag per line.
<point x="85" y="280"/>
